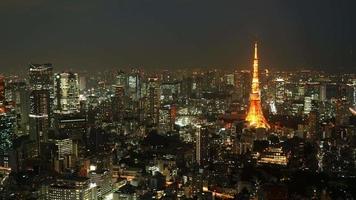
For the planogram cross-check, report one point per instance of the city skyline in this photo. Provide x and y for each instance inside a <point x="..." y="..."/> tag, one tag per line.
<point x="177" y="100"/>
<point x="206" y="134"/>
<point x="156" y="34"/>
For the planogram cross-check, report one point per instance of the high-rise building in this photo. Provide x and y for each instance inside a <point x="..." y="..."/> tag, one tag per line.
<point x="201" y="145"/>
<point x="255" y="116"/>
<point x="64" y="147"/>
<point x="73" y="124"/>
<point x="322" y="95"/>
<point x="7" y="132"/>
<point x="244" y="84"/>
<point x="154" y="95"/>
<point x="170" y="91"/>
<point x="118" y="103"/>
<point x="354" y="92"/>
<point x="67" y="92"/>
<point x="134" y="85"/>
<point x="2" y="94"/>
<point x="307" y="105"/>
<point x="19" y="96"/>
<point x="2" y="89"/>
<point x="121" y="78"/>
<point x="39" y="117"/>
<point x="280" y="90"/>
<point x="230" y="79"/>
<point x="60" y="151"/>
<point x="41" y="76"/>
<point x="103" y="180"/>
<point x="82" y="82"/>
<point x="301" y="91"/>
<point x="41" y="100"/>
<point x="165" y="119"/>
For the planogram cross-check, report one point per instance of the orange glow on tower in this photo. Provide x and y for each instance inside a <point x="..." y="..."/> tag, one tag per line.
<point x="255" y="116"/>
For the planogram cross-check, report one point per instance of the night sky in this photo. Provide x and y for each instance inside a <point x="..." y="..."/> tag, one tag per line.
<point x="85" y="34"/>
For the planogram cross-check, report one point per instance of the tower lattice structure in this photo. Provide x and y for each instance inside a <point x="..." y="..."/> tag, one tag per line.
<point x="255" y="117"/>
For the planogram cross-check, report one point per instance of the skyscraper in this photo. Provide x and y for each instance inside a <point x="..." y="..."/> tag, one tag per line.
<point x="244" y="82"/>
<point x="2" y="94"/>
<point x="7" y="132"/>
<point x="2" y="90"/>
<point x="354" y="93"/>
<point x="255" y="116"/>
<point x="154" y="95"/>
<point x="41" y="76"/>
<point x="121" y="78"/>
<point x="66" y="92"/>
<point x="201" y="145"/>
<point x="39" y="117"/>
<point x="118" y="103"/>
<point x="280" y="90"/>
<point x="322" y="95"/>
<point x="41" y="95"/>
<point x="18" y="94"/>
<point x="134" y="85"/>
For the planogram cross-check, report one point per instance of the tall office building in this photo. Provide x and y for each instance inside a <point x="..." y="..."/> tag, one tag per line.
<point x="72" y="124"/>
<point x="2" y="94"/>
<point x="39" y="117"/>
<point x="120" y="88"/>
<point x="170" y="91"/>
<point x="134" y="85"/>
<point x="64" y="154"/>
<point x="41" y="76"/>
<point x="66" y="87"/>
<point x="230" y="79"/>
<point x="154" y="95"/>
<point x="307" y="105"/>
<point x="244" y="81"/>
<point x="41" y="96"/>
<point x="322" y="95"/>
<point x="7" y="132"/>
<point x="121" y="78"/>
<point x="118" y="103"/>
<point x="201" y="145"/>
<point x="280" y="90"/>
<point x="255" y="116"/>
<point x="2" y="89"/>
<point x="301" y="91"/>
<point x="354" y="92"/>
<point x="18" y="94"/>
<point x="103" y="181"/>
<point x="82" y="82"/>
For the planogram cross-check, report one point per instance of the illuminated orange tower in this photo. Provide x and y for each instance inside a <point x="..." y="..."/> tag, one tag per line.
<point x="255" y="116"/>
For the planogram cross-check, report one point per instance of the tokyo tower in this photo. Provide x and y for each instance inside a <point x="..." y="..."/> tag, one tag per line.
<point x="255" y="116"/>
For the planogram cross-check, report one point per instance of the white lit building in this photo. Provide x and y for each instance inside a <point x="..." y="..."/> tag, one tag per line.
<point x="307" y="105"/>
<point x="273" y="156"/>
<point x="103" y="181"/>
<point x="66" y="92"/>
<point x="280" y="90"/>
<point x="64" y="146"/>
<point x="77" y="188"/>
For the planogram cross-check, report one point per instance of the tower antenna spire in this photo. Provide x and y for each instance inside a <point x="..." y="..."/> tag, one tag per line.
<point x="256" y="50"/>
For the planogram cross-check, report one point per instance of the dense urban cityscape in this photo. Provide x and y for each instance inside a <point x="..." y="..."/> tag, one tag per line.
<point x="203" y="133"/>
<point x="177" y="100"/>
